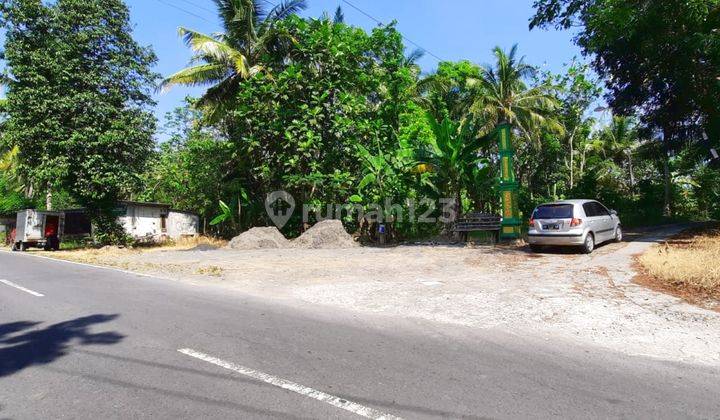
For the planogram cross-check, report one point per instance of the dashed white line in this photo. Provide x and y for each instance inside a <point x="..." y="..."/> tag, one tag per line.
<point x="17" y="286"/>
<point x="338" y="402"/>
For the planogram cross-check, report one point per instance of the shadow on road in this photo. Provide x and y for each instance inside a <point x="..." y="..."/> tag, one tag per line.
<point x="46" y="345"/>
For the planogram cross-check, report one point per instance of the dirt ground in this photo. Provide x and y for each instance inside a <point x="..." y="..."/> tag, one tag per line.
<point x="560" y="294"/>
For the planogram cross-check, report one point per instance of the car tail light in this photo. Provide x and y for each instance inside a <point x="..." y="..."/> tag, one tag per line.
<point x="575" y="222"/>
<point x="531" y="222"/>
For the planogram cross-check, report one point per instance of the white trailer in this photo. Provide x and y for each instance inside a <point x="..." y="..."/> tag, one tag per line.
<point x="38" y="228"/>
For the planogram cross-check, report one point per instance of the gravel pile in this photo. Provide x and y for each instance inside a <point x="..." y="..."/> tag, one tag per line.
<point x="328" y="234"/>
<point x="259" y="238"/>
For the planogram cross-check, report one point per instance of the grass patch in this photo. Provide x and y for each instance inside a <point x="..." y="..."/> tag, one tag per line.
<point x="210" y="270"/>
<point x="194" y="242"/>
<point x="116" y="256"/>
<point x="688" y="264"/>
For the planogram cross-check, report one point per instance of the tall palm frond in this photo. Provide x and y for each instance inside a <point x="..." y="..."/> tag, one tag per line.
<point x="621" y="135"/>
<point x="414" y="56"/>
<point x="223" y="61"/>
<point x="339" y="15"/>
<point x="285" y="9"/>
<point x="501" y="94"/>
<point x="240" y="18"/>
<point x="9" y="169"/>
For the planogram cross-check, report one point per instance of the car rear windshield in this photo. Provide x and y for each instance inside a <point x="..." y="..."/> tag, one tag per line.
<point x="554" y="211"/>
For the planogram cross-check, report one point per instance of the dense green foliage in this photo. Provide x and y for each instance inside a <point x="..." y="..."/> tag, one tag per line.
<point x="78" y="97"/>
<point x="334" y="114"/>
<point x="660" y="61"/>
<point x="338" y="115"/>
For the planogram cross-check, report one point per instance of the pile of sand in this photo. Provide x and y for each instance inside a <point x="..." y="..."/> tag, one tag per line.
<point x="259" y="238"/>
<point x="327" y="234"/>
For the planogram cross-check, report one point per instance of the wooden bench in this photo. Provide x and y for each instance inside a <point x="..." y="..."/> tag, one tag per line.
<point x="478" y="222"/>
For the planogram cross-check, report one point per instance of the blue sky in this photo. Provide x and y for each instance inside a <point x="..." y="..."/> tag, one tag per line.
<point x="450" y="29"/>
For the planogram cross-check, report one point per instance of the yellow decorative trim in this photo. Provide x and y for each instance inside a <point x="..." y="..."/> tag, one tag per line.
<point x="508" y="207"/>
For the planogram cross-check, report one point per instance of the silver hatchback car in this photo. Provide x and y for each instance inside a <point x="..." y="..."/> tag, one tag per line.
<point x="582" y="223"/>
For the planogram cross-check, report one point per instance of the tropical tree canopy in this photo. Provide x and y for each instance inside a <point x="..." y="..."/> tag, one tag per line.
<point x="79" y="125"/>
<point x="223" y="60"/>
<point x="502" y="95"/>
<point x="335" y="114"/>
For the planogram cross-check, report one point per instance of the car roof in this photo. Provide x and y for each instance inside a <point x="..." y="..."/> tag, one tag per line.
<point x="574" y="201"/>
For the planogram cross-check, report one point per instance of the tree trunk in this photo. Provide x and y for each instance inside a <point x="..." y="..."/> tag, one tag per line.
<point x="48" y="199"/>
<point x="240" y="226"/>
<point x="458" y="211"/>
<point x="571" y="143"/>
<point x="667" y="204"/>
<point x="572" y="166"/>
<point x="632" y="172"/>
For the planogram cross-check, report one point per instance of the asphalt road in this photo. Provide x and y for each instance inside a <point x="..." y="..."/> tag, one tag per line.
<point x="104" y="344"/>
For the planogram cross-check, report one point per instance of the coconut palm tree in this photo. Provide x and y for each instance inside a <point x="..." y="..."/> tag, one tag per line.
<point x="224" y="60"/>
<point x="502" y="95"/>
<point x="620" y="141"/>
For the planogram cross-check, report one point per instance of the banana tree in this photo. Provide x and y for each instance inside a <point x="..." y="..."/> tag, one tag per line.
<point x="452" y="154"/>
<point x="228" y="216"/>
<point x="386" y="176"/>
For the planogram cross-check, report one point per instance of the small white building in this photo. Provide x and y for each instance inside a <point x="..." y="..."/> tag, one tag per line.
<point x="156" y="221"/>
<point x="148" y="222"/>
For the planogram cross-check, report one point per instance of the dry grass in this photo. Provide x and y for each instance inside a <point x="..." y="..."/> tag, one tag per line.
<point x="192" y="242"/>
<point x="114" y="256"/>
<point x="210" y="270"/>
<point x="689" y="262"/>
<point x="102" y="256"/>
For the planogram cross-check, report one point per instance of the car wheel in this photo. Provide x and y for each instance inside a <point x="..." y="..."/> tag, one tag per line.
<point x="535" y="248"/>
<point x="618" y="234"/>
<point x="22" y="247"/>
<point x="15" y="246"/>
<point x="589" y="244"/>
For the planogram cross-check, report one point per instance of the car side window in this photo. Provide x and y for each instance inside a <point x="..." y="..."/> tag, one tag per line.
<point x="600" y="210"/>
<point x="589" y="209"/>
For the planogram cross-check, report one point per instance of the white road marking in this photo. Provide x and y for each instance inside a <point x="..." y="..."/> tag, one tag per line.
<point x="350" y="406"/>
<point x="17" y="286"/>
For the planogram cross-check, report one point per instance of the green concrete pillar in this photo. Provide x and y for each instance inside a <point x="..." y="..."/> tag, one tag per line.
<point x="511" y="223"/>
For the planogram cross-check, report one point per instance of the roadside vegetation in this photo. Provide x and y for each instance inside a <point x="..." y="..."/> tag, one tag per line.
<point x="335" y="114"/>
<point x="687" y="264"/>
